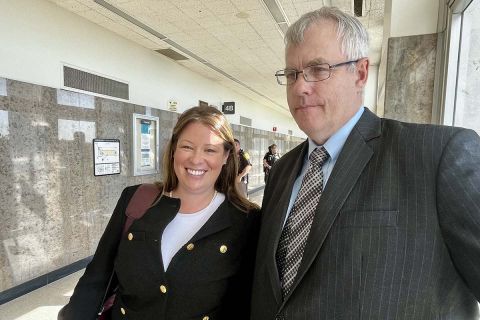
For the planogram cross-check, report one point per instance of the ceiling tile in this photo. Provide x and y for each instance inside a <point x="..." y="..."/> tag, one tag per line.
<point x="249" y="47"/>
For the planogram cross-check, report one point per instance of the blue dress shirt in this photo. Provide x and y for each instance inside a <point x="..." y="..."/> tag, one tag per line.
<point x="333" y="146"/>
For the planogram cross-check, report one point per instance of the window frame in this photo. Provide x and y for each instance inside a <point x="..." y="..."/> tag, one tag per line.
<point x="454" y="16"/>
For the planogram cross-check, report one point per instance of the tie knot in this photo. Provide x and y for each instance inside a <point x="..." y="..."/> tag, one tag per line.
<point x="319" y="156"/>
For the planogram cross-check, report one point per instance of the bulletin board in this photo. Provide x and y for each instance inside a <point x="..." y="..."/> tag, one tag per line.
<point x="145" y="144"/>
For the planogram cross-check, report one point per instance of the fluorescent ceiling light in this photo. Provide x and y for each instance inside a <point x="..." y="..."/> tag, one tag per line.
<point x="277" y="13"/>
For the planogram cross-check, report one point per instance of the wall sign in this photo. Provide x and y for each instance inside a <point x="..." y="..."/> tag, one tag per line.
<point x="228" y="107"/>
<point x="106" y="157"/>
<point x="172" y="105"/>
<point x="145" y="144"/>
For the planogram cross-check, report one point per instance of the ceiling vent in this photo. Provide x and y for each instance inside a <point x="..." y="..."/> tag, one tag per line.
<point x="358" y="8"/>
<point x="81" y="80"/>
<point x="172" y="54"/>
<point x="245" y="121"/>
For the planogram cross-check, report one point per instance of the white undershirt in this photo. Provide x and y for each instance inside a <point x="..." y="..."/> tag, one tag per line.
<point x="184" y="226"/>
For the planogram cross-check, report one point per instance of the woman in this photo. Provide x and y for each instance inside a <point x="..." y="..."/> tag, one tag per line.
<point x="191" y="254"/>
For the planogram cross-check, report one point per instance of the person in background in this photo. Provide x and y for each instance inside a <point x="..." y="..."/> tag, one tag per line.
<point x="191" y="254"/>
<point x="243" y="169"/>
<point x="269" y="159"/>
<point x="369" y="218"/>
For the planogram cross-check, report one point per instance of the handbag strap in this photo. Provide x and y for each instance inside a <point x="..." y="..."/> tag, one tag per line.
<point x="141" y="201"/>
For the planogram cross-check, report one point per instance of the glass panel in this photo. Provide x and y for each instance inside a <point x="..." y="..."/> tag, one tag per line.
<point x="467" y="106"/>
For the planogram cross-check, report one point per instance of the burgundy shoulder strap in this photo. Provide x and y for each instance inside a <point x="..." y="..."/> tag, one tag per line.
<point x="141" y="200"/>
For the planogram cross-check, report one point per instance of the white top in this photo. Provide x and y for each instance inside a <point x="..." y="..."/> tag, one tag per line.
<point x="184" y="226"/>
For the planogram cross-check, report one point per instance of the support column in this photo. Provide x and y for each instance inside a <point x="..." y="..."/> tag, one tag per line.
<point x="407" y="67"/>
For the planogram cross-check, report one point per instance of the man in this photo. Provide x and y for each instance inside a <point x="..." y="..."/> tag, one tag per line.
<point x="369" y="218"/>
<point x="244" y="167"/>
<point x="269" y="159"/>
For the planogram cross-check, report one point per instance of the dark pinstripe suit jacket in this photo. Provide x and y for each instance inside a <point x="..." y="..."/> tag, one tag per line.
<point x="396" y="233"/>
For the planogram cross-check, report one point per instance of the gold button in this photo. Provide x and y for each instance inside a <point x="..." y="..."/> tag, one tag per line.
<point x="190" y="246"/>
<point x="130" y="236"/>
<point x="206" y="318"/>
<point x="163" y="289"/>
<point x="223" y="249"/>
<point x="122" y="311"/>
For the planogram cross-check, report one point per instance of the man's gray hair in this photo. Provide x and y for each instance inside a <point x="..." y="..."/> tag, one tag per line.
<point x="350" y="31"/>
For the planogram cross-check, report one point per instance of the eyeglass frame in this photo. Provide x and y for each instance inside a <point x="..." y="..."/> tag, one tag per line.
<point x="330" y="68"/>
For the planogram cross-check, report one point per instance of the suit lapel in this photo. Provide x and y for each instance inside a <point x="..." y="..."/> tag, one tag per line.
<point x="218" y="221"/>
<point x="154" y="222"/>
<point x="159" y="216"/>
<point x="350" y="164"/>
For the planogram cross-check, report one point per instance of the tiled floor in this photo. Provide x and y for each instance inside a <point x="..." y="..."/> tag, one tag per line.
<point x="44" y="303"/>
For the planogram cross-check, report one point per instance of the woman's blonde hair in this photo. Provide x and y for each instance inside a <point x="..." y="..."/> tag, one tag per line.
<point x="215" y="121"/>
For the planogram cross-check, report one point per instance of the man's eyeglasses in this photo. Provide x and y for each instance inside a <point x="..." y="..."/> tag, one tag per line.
<point x="318" y="72"/>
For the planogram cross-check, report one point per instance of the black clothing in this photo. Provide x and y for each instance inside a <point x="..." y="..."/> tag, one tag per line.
<point x="395" y="234"/>
<point x="270" y="158"/>
<point x="210" y="278"/>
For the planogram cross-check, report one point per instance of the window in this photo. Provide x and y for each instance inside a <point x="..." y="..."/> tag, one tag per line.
<point x="467" y="107"/>
<point x="462" y="106"/>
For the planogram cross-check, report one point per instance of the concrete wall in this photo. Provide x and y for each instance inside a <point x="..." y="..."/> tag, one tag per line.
<point x="410" y="78"/>
<point x="54" y="209"/>
<point x="403" y="20"/>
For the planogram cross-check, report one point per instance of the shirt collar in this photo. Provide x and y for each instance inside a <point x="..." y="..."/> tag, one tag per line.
<point x="335" y="143"/>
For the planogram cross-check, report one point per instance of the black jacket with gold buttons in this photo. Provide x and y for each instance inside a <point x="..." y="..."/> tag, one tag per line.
<point x="208" y="278"/>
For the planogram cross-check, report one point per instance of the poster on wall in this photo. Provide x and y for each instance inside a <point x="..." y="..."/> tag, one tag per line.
<point x="172" y="105"/>
<point x="106" y="157"/>
<point x="145" y="144"/>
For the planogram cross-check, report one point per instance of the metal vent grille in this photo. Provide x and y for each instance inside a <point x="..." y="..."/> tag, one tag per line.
<point x="82" y="80"/>
<point x="172" y="54"/>
<point x="245" y="121"/>
<point x="358" y="8"/>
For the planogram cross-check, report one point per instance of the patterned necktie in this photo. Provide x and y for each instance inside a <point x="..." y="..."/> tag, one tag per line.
<point x="297" y="227"/>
